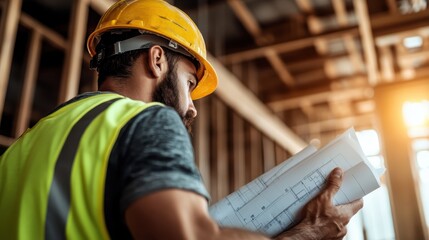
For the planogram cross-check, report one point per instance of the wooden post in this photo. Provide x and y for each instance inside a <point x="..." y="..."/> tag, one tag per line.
<point x="30" y="78"/>
<point x="73" y="62"/>
<point x="202" y="140"/>
<point x="389" y="101"/>
<point x="9" y="28"/>
<point x="256" y="167"/>
<point x="269" y="154"/>
<point x="238" y="152"/>
<point x="221" y="188"/>
<point x="365" y="29"/>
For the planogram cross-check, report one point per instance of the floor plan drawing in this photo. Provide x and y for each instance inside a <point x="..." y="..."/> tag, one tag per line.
<point x="272" y="202"/>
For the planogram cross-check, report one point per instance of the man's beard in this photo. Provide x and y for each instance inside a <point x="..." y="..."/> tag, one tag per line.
<point x="167" y="92"/>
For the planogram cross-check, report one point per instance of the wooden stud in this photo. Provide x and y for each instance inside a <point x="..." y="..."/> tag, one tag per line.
<point x="31" y="73"/>
<point x="268" y="153"/>
<point x="221" y="161"/>
<point x="73" y="63"/>
<point x="256" y="165"/>
<point x="7" y="43"/>
<point x="202" y="140"/>
<point x="386" y="61"/>
<point x="239" y="166"/>
<point x="365" y="29"/>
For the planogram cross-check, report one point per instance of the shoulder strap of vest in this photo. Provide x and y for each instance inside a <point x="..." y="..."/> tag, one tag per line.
<point x="59" y="193"/>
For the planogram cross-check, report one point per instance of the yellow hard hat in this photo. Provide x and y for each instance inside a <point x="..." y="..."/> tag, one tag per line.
<point x="160" y="18"/>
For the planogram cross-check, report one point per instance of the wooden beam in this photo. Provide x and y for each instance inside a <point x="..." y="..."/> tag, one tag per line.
<point x="73" y="63"/>
<point x="284" y="46"/>
<point x="52" y="36"/>
<point x="320" y="97"/>
<point x="393" y="7"/>
<point x="340" y="12"/>
<point x="6" y="141"/>
<point x="381" y="23"/>
<point x="245" y="17"/>
<point x="101" y="6"/>
<point x="252" y="26"/>
<point x="279" y="67"/>
<point x="305" y="6"/>
<point x="7" y="43"/>
<point x="31" y="73"/>
<point x="336" y="124"/>
<point x="386" y="20"/>
<point x="230" y="89"/>
<point x="342" y="19"/>
<point x="365" y="29"/>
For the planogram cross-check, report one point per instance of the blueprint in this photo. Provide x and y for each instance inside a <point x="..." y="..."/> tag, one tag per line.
<point x="270" y="204"/>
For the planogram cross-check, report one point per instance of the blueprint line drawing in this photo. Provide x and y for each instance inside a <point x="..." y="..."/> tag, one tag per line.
<point x="272" y="202"/>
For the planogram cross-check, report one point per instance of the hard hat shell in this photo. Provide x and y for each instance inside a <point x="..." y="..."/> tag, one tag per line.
<point x="161" y="18"/>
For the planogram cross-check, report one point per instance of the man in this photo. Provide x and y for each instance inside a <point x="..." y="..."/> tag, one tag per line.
<point x="118" y="164"/>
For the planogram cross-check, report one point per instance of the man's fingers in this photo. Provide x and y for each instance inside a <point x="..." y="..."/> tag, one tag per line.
<point x="334" y="182"/>
<point x="356" y="205"/>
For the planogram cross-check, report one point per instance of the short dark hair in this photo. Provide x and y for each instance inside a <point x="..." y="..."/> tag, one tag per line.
<point x="119" y="66"/>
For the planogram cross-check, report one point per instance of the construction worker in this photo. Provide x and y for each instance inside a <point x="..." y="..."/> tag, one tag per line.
<point x="119" y="163"/>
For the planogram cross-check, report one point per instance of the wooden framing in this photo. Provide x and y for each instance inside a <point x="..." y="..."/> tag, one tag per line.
<point x="268" y="153"/>
<point x="53" y="37"/>
<point x="202" y="141"/>
<point x="279" y="67"/>
<point x="230" y="90"/>
<point x="239" y="162"/>
<point x="222" y="164"/>
<point x="367" y="40"/>
<point x="285" y="46"/>
<point x="30" y="78"/>
<point x="319" y="97"/>
<point x="252" y="26"/>
<point x="72" y="67"/>
<point x="389" y="99"/>
<point x="9" y="28"/>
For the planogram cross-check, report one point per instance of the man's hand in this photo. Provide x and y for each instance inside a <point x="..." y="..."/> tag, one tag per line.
<point x="321" y="218"/>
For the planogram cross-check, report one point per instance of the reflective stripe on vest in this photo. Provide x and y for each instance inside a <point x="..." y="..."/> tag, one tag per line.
<point x="52" y="179"/>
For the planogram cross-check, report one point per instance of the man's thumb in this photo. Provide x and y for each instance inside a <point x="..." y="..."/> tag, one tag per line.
<point x="334" y="181"/>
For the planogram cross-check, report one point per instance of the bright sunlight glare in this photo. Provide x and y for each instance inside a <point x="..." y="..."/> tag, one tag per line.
<point x="416" y="114"/>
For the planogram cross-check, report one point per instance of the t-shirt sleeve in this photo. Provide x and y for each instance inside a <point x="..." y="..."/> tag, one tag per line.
<point x="158" y="155"/>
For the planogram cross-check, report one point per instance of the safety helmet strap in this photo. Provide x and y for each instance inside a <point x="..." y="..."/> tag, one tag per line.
<point x="143" y="41"/>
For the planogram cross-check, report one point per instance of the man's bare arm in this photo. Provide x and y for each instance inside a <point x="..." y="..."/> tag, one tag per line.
<point x="180" y="214"/>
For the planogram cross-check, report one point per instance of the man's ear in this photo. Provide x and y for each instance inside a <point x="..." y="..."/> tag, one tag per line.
<point x="157" y="61"/>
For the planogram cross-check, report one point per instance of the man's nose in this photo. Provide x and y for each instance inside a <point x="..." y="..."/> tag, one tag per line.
<point x="192" y="109"/>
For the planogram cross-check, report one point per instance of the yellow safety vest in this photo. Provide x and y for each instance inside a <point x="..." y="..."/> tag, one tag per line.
<point x="52" y="178"/>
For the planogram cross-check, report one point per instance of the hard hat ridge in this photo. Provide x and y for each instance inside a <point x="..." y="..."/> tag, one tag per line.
<point x="160" y="19"/>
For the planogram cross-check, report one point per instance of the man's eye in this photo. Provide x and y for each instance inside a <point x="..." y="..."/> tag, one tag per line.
<point x="191" y="84"/>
